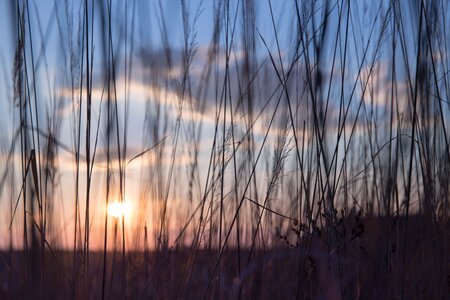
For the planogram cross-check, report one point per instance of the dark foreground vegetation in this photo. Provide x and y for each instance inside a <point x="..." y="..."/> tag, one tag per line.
<point x="369" y="261"/>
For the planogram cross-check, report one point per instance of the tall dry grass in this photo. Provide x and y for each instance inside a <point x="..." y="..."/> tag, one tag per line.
<point x="273" y="150"/>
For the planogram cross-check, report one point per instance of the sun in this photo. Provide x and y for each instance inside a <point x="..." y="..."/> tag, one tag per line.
<point x="118" y="209"/>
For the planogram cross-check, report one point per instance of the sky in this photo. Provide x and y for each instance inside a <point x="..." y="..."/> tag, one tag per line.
<point x="152" y="91"/>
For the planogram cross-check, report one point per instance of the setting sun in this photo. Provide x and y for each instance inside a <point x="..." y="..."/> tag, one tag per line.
<point x="118" y="209"/>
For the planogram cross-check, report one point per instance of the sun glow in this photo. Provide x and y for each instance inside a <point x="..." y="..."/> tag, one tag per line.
<point x="118" y="209"/>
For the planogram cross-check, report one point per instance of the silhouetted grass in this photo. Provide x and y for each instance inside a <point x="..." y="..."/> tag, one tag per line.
<point x="301" y="153"/>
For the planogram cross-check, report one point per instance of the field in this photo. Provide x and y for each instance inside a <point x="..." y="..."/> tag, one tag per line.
<point x="370" y="266"/>
<point x="224" y="149"/>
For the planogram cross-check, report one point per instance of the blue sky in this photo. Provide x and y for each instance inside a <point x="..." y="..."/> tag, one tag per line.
<point x="153" y="85"/>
